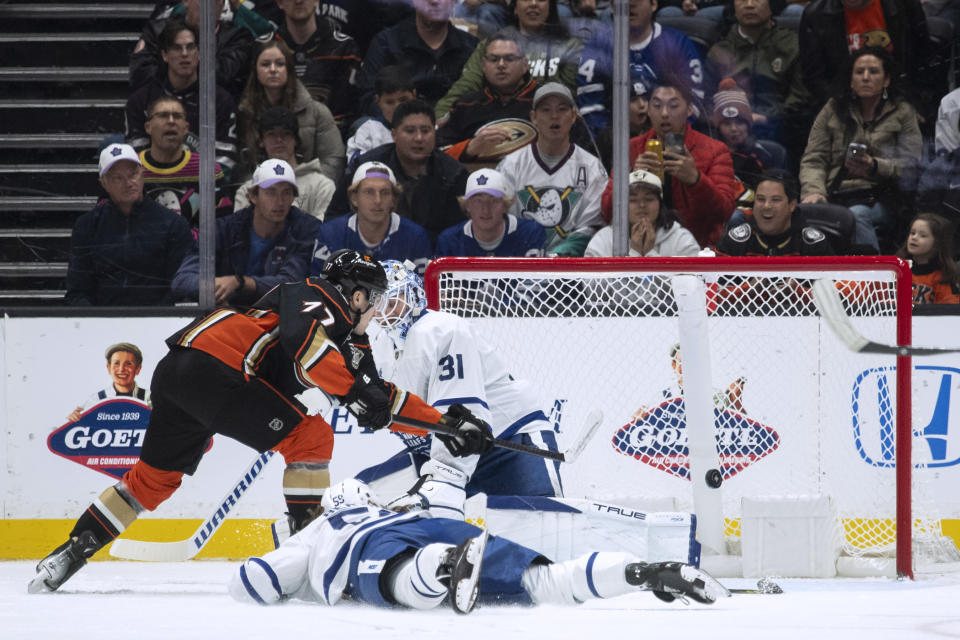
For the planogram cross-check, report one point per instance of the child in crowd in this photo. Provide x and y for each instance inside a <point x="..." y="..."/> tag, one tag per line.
<point x="393" y="86"/>
<point x="930" y="248"/>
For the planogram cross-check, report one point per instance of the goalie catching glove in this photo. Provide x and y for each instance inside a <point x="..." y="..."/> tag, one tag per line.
<point x="371" y="401"/>
<point x="473" y="435"/>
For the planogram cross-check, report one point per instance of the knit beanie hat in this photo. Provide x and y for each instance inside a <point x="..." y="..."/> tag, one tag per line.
<point x="731" y="102"/>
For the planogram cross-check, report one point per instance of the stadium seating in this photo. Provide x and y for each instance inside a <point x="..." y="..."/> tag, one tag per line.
<point x="63" y="86"/>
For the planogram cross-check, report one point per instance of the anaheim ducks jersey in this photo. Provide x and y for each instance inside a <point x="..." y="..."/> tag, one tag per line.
<point x="747" y="240"/>
<point x="306" y="321"/>
<point x="563" y="199"/>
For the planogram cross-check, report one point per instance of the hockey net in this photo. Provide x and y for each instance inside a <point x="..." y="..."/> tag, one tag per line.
<point x="795" y="412"/>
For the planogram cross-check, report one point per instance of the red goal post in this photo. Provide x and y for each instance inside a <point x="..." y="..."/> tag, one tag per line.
<point x="555" y="317"/>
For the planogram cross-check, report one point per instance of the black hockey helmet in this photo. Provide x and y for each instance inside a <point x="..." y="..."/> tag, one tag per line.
<point x="350" y="270"/>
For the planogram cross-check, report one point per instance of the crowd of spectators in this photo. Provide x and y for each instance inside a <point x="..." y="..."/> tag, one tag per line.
<point x="412" y="129"/>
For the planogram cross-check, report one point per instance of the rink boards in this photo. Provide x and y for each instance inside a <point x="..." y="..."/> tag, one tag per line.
<point x="49" y="480"/>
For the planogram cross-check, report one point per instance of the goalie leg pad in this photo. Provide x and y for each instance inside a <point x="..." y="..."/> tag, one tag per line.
<point x="595" y="575"/>
<point x="415" y="583"/>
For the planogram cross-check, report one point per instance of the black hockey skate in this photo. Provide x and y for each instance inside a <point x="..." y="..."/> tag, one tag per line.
<point x="63" y="562"/>
<point x="461" y="567"/>
<point x="672" y="580"/>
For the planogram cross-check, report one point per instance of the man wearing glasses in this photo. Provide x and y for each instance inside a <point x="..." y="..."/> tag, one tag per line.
<point x="178" y="44"/>
<point x="171" y="172"/>
<point x="507" y="92"/>
<point x="127" y="248"/>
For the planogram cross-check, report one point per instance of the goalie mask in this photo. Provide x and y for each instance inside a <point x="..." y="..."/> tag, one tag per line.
<point x="402" y="302"/>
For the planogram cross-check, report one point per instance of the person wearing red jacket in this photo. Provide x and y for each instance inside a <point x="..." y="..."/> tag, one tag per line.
<point x="698" y="175"/>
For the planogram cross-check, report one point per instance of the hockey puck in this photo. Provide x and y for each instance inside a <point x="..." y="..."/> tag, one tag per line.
<point x="714" y="478"/>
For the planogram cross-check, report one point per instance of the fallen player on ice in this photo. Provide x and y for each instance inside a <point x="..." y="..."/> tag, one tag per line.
<point x="360" y="551"/>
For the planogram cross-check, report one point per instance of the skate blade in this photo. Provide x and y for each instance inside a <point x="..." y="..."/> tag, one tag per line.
<point x="704" y="587"/>
<point x="39" y="583"/>
<point x="467" y="588"/>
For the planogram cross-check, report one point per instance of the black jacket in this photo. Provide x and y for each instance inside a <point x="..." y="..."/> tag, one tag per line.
<point x="823" y="43"/>
<point x="474" y="110"/>
<point x="120" y="260"/>
<point x="433" y="72"/>
<point x="799" y="240"/>
<point x="430" y="200"/>
<point x="326" y="64"/>
<point x="225" y="143"/>
<point x="234" y="48"/>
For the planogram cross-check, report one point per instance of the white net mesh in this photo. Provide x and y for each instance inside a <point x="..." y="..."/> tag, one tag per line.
<point x="796" y="413"/>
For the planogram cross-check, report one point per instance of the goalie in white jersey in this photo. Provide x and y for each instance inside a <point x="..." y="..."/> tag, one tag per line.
<point x="439" y="357"/>
<point x="360" y="551"/>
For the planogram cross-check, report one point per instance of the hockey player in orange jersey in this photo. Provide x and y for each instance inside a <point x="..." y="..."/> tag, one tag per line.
<point x="238" y="375"/>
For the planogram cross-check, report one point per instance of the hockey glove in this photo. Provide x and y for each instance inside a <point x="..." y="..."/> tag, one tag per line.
<point x="473" y="435"/>
<point x="371" y="402"/>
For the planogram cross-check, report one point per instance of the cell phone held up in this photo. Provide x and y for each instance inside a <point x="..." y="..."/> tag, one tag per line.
<point x="673" y="143"/>
<point x="856" y="150"/>
<point x="654" y="145"/>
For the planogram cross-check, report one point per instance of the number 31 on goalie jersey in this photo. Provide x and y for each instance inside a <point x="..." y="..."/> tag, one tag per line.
<point x="451" y="366"/>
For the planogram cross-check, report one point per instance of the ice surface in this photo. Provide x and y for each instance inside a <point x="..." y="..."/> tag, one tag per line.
<point x="189" y="600"/>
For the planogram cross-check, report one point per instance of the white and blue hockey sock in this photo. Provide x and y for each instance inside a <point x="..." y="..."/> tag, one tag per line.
<point x="415" y="583"/>
<point x="595" y="575"/>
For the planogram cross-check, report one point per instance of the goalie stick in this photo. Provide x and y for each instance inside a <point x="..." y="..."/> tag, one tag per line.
<point x="181" y="550"/>
<point x="572" y="452"/>
<point x="828" y="302"/>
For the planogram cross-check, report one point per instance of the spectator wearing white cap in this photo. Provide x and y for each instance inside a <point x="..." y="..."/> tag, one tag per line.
<point x="278" y="136"/>
<point x="654" y="230"/>
<point x="430" y="180"/>
<point x="558" y="183"/>
<point x="490" y="231"/>
<point x="374" y="227"/>
<point x="127" y="248"/>
<point x="258" y="247"/>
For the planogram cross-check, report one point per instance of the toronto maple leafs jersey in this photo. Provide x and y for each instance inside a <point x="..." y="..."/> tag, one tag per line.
<point x="315" y="565"/>
<point x="521" y="238"/>
<point x="405" y="240"/>
<point x="667" y="52"/>
<point x="446" y="363"/>
<point x="564" y="200"/>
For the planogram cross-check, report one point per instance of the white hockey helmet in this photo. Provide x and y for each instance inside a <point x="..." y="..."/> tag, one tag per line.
<point x="348" y="493"/>
<point x="403" y="300"/>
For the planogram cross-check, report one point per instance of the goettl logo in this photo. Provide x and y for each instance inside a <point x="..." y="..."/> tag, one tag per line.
<point x="934" y="413"/>
<point x="107" y="438"/>
<point x="658" y="437"/>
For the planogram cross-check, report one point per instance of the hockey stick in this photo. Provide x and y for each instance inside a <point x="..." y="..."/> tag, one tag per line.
<point x="593" y="422"/>
<point x="589" y="428"/>
<point x="765" y="586"/>
<point x="181" y="550"/>
<point x="828" y="302"/>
